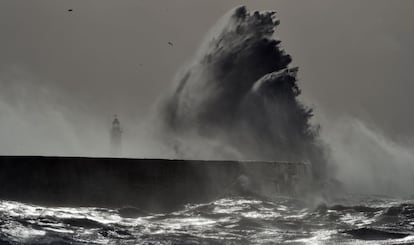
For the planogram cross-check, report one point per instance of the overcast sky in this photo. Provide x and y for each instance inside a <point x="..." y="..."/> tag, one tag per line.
<point x="112" y="56"/>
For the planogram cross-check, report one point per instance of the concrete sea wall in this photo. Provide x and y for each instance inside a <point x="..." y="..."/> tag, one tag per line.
<point x="150" y="184"/>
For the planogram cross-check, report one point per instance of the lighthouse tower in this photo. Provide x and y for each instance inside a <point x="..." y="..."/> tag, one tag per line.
<point x="116" y="138"/>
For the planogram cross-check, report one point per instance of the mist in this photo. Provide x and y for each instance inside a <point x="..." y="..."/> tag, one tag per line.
<point x="365" y="161"/>
<point x="39" y="119"/>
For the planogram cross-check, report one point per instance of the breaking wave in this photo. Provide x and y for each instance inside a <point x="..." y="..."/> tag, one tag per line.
<point x="238" y="99"/>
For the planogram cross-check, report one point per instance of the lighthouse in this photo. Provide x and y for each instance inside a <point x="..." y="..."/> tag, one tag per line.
<point x="116" y="138"/>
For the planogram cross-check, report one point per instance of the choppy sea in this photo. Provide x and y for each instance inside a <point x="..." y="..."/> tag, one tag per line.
<point x="232" y="220"/>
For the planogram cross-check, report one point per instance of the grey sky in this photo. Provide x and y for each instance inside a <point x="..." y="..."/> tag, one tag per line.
<point x="107" y="56"/>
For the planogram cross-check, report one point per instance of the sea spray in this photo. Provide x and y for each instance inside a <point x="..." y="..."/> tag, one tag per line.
<point x="366" y="161"/>
<point x="238" y="99"/>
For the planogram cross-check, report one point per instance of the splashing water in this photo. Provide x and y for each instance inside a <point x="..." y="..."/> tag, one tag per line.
<point x="238" y="99"/>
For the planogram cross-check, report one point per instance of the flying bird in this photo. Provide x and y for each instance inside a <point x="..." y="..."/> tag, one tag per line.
<point x="70" y="10"/>
<point x="170" y="43"/>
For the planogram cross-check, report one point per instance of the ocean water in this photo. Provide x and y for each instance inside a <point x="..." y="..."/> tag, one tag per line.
<point x="230" y="220"/>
